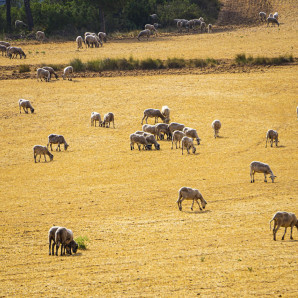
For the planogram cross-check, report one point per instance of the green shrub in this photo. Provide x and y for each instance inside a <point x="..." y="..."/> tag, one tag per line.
<point x="150" y="63"/>
<point x="77" y="64"/>
<point x="82" y="242"/>
<point x="175" y="63"/>
<point x="240" y="59"/>
<point x="24" y="68"/>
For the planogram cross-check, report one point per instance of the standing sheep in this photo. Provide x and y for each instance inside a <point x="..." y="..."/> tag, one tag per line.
<point x="102" y="36"/>
<point x="175" y="126"/>
<point x="25" y="104"/>
<point x="67" y="72"/>
<point x="40" y="35"/>
<point x="216" y="125"/>
<point x="150" y="129"/>
<point x="272" y="135"/>
<point x="209" y="28"/>
<point x="162" y="128"/>
<point x="65" y="237"/>
<point x="188" y="143"/>
<point x="43" y="74"/>
<point x="151" y="28"/>
<point x="187" y="193"/>
<point x="139" y="140"/>
<point x="91" y="41"/>
<point x="272" y="21"/>
<point x="3" y="49"/>
<point x="95" y="117"/>
<point x="154" y="113"/>
<point x="145" y="33"/>
<point x="39" y="150"/>
<point x="56" y="139"/>
<point x="262" y="16"/>
<point x="177" y="137"/>
<point x="51" y="71"/>
<point x="13" y="52"/>
<point x="80" y="41"/>
<point x="275" y="15"/>
<point x="5" y="43"/>
<point x="192" y="133"/>
<point x="108" y="118"/>
<point x="260" y="167"/>
<point x="284" y="219"/>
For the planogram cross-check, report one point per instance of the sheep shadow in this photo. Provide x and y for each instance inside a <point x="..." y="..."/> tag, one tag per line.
<point x="281" y="146"/>
<point x="197" y="211"/>
<point x="221" y="137"/>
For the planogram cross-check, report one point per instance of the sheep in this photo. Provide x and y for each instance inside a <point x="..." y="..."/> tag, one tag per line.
<point x="181" y="24"/>
<point x="15" y="51"/>
<point x="51" y="71"/>
<point x="40" y="36"/>
<point x="109" y="117"/>
<point x="190" y="25"/>
<point x="166" y="112"/>
<point x="162" y="128"/>
<point x="197" y="22"/>
<point x="283" y="219"/>
<point x="270" y="15"/>
<point x="275" y="15"/>
<point x="154" y="113"/>
<point x="192" y="133"/>
<point x="139" y="140"/>
<point x="201" y="19"/>
<point x="177" y="137"/>
<point x="102" y="36"/>
<point x="5" y="43"/>
<point x="151" y="28"/>
<point x="95" y="117"/>
<point x="188" y="143"/>
<point x="272" y="21"/>
<point x="149" y="138"/>
<point x="156" y="25"/>
<point x="145" y="33"/>
<point x="262" y="16"/>
<point x="3" y="49"/>
<point x="52" y="232"/>
<point x="188" y="193"/>
<point x="154" y="16"/>
<point x="273" y="136"/>
<point x="65" y="237"/>
<point x="39" y="150"/>
<point x="150" y="129"/>
<point x="203" y="27"/>
<point x="216" y="125"/>
<point x="57" y="139"/>
<point x="259" y="167"/>
<point x="92" y="40"/>
<point x="175" y="126"/>
<point x="67" y="73"/>
<point x="80" y="41"/>
<point x="43" y="74"/>
<point x="209" y="27"/>
<point x="25" y="104"/>
<point x="19" y="23"/>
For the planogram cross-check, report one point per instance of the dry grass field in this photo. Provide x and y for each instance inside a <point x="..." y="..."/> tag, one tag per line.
<point x="124" y="201"/>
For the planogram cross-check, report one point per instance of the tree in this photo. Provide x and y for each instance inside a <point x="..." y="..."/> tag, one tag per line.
<point x="28" y="14"/>
<point x="8" y="15"/>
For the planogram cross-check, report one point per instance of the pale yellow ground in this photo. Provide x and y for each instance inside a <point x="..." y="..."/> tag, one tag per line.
<point x="125" y="201"/>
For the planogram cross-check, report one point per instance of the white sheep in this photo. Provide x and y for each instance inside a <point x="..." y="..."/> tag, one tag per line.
<point x="67" y="72"/>
<point x="284" y="219"/>
<point x="15" y="51"/>
<point x="57" y="139"/>
<point x="107" y="119"/>
<point x="95" y="117"/>
<point x="102" y="36"/>
<point x="65" y="237"/>
<point x="25" y="104"/>
<point x="162" y="128"/>
<point x="203" y="27"/>
<point x="92" y="40"/>
<point x="3" y="49"/>
<point x="40" y="35"/>
<point x="216" y="125"/>
<point x="275" y="15"/>
<point x="188" y="193"/>
<point x="262" y="16"/>
<point x="51" y="71"/>
<point x="145" y="33"/>
<point x="5" y="43"/>
<point x="154" y="113"/>
<point x="139" y="140"/>
<point x="39" y="150"/>
<point x="43" y="74"/>
<point x="165" y="110"/>
<point x="151" y="28"/>
<point x="80" y="41"/>
<point x="260" y="167"/>
<point x="150" y="138"/>
<point x="177" y="137"/>
<point x="209" y="27"/>
<point x="272" y="135"/>
<point x="51" y="235"/>
<point x="175" y="126"/>
<point x="188" y="143"/>
<point x="272" y="21"/>
<point x="150" y="129"/>
<point x="19" y="23"/>
<point x="192" y="133"/>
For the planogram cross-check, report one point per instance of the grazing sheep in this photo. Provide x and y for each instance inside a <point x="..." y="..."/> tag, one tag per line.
<point x="216" y="125"/>
<point x="57" y="139"/>
<point x="15" y="51"/>
<point x="51" y="71"/>
<point x="175" y="126"/>
<point x="25" y="104"/>
<point x="52" y="232"/>
<point x="65" y="237"/>
<point x="162" y="128"/>
<point x="154" y="113"/>
<point x="187" y="193"/>
<point x="5" y="43"/>
<point x="145" y="33"/>
<point x="95" y="117"/>
<point x="192" y="133"/>
<point x="262" y="16"/>
<point x="40" y="36"/>
<point x="272" y="135"/>
<point x="188" y="143"/>
<point x="177" y="137"/>
<point x="92" y="40"/>
<point x="102" y="36"/>
<point x="80" y="41"/>
<point x="39" y="150"/>
<point x="149" y="138"/>
<point x="19" y="23"/>
<point x="150" y="129"/>
<point x="272" y="21"/>
<point x="275" y="15"/>
<point x="43" y="74"/>
<point x="209" y="27"/>
<point x="3" y="49"/>
<point x="67" y="72"/>
<point x="165" y="110"/>
<point x="109" y="117"/>
<point x="151" y="28"/>
<point x="139" y="140"/>
<point x="259" y="167"/>
<point x="285" y="220"/>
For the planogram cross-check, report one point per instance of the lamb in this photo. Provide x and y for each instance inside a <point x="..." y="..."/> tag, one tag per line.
<point x="192" y="133"/>
<point x="187" y="193"/>
<point x="166" y="112"/>
<point x="162" y="128"/>
<point x="109" y="117"/>
<point x="5" y="43"/>
<point x="39" y="150"/>
<point x="259" y="167"/>
<point x="43" y="74"/>
<point x="262" y="16"/>
<point x="216" y="125"/>
<point x="19" y="23"/>
<point x="80" y="41"/>
<point x="209" y="27"/>
<point x="95" y="117"/>
<point x="272" y="21"/>
<point x="40" y="35"/>
<point x="177" y="137"/>
<point x="57" y="139"/>
<point x="154" y="113"/>
<point x="188" y="143"/>
<point x="275" y="15"/>
<point x="67" y="73"/>
<point x="139" y="140"/>
<point x="150" y="129"/>
<point x="25" y="104"/>
<point x="175" y="126"/>
<point x="151" y="28"/>
<point x="273" y="136"/>
<point x="51" y="71"/>
<point x="65" y="237"/>
<point x="145" y="33"/>
<point x="102" y="36"/>
<point x="283" y="219"/>
<point x="15" y="51"/>
<point x="3" y="49"/>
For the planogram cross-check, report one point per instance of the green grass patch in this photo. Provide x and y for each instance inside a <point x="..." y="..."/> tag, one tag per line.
<point x="24" y="68"/>
<point x="175" y="63"/>
<point x="150" y="63"/>
<point x="82" y="242"/>
<point x="241" y="59"/>
<point x="77" y="65"/>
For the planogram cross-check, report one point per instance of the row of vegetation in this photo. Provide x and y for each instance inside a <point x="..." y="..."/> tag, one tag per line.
<point x="241" y="59"/>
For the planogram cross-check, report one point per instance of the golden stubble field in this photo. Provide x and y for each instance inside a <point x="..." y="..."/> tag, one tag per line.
<point x="125" y="201"/>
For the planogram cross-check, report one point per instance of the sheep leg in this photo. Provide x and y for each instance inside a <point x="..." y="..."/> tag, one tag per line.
<point x="172" y="145"/>
<point x="283" y="237"/>
<point x="291" y="237"/>
<point x="39" y="157"/>
<point x="50" y="247"/>
<point x="271" y="142"/>
<point x="265" y="178"/>
<point x="45" y="160"/>
<point x="139" y="146"/>
<point x="275" y="231"/>
<point x="193" y="201"/>
<point x="199" y="204"/>
<point x="252" y="178"/>
<point x="61" y="249"/>
<point x="266" y="142"/>
<point x="132" y="146"/>
<point x="53" y="247"/>
<point x="143" y="119"/>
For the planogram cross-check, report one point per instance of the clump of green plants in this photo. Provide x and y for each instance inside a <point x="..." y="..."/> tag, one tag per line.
<point x="150" y="63"/>
<point x="24" y="68"/>
<point x="82" y="242"/>
<point x="175" y="63"/>
<point x="77" y="64"/>
<point x="202" y="259"/>
<point x="249" y="269"/>
<point x="241" y="59"/>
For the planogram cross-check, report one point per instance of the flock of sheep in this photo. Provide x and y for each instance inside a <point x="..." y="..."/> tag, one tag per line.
<point x="272" y="18"/>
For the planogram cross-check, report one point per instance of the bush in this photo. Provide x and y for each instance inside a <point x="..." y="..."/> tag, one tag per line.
<point x="77" y="65"/>
<point x="175" y="63"/>
<point x="261" y="60"/>
<point x="82" y="242"/>
<point x="150" y="63"/>
<point x="240" y="59"/>
<point x="24" y="68"/>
